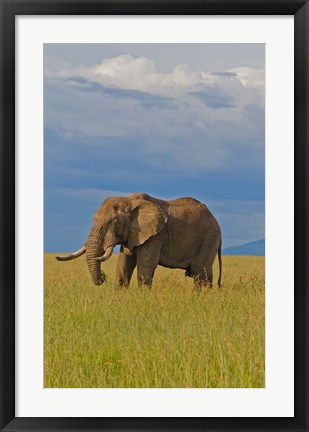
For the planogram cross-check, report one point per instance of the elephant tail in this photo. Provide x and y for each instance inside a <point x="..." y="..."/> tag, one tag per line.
<point x="220" y="265"/>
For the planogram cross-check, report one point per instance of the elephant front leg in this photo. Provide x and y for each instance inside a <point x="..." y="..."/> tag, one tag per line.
<point x="124" y="269"/>
<point x="145" y="276"/>
<point x="147" y="261"/>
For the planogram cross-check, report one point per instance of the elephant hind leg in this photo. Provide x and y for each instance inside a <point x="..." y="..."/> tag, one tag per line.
<point x="202" y="276"/>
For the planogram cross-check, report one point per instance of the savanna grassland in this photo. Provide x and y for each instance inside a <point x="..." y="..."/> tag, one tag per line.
<point x="169" y="336"/>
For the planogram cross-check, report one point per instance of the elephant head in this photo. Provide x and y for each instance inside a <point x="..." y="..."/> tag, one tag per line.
<point x="129" y="221"/>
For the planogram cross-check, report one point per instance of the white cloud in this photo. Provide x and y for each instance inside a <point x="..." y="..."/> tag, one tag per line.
<point x="141" y="74"/>
<point x="250" y="77"/>
<point x="124" y="71"/>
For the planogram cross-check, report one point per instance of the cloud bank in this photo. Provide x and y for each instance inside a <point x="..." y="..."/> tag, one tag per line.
<point x="140" y="73"/>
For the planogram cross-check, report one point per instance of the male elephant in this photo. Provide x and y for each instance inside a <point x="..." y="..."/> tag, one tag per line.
<point x="180" y="233"/>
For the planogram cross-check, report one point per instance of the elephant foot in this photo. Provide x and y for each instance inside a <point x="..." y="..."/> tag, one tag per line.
<point x="121" y="286"/>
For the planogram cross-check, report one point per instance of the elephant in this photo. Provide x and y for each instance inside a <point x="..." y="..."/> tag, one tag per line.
<point x="180" y="233"/>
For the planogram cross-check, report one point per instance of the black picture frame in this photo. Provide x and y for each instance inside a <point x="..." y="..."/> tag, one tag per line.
<point x="9" y="10"/>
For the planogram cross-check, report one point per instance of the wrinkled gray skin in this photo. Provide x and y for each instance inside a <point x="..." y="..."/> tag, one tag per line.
<point x="180" y="233"/>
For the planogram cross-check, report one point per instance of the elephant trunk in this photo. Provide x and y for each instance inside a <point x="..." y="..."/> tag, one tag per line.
<point x="93" y="250"/>
<point x="94" y="267"/>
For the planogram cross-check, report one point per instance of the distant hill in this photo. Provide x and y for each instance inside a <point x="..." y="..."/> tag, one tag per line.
<point x="256" y="248"/>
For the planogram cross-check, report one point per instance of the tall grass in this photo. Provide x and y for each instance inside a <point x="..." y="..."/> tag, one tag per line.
<point x="169" y="336"/>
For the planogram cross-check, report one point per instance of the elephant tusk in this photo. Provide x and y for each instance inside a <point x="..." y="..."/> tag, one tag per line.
<point x="107" y="254"/>
<point x="73" y="255"/>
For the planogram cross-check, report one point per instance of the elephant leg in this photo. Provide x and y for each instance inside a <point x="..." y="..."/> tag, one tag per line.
<point x="124" y="269"/>
<point x="208" y="272"/>
<point x="147" y="261"/>
<point x="201" y="267"/>
<point x="202" y="276"/>
<point x="145" y="276"/>
<point x="145" y="272"/>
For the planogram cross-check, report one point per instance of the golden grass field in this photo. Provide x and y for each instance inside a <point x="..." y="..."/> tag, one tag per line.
<point x="169" y="336"/>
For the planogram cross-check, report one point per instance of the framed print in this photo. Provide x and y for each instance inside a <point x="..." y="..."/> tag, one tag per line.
<point x="159" y="149"/>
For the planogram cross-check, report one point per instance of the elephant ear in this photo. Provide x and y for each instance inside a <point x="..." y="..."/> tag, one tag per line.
<point x="147" y="221"/>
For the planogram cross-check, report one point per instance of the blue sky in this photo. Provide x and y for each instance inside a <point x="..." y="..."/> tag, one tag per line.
<point x="170" y="120"/>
